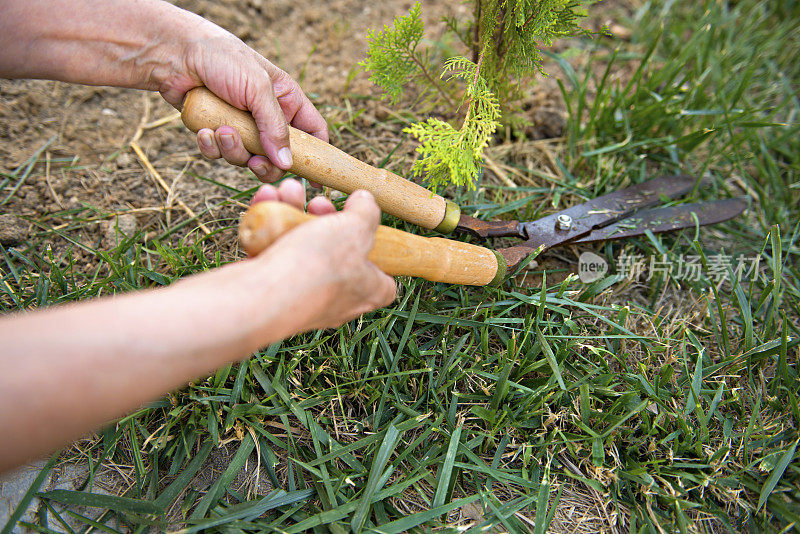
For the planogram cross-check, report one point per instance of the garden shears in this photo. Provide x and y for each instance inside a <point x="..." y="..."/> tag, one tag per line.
<point x="625" y="213"/>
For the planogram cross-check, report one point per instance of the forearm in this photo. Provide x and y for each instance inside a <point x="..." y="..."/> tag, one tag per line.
<point x="70" y="369"/>
<point x="127" y="43"/>
<point x="67" y="370"/>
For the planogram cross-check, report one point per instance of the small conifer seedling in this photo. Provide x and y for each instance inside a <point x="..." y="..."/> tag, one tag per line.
<point x="503" y="39"/>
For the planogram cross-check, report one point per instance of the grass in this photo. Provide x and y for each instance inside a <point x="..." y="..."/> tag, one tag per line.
<point x="656" y="404"/>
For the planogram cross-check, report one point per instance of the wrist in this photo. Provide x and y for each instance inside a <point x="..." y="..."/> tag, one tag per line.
<point x="183" y="36"/>
<point x="286" y="292"/>
<point x="246" y="305"/>
<point x="164" y="55"/>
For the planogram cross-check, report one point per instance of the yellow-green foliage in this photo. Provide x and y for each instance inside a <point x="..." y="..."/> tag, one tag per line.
<point x="450" y="155"/>
<point x="392" y="53"/>
<point x="503" y="38"/>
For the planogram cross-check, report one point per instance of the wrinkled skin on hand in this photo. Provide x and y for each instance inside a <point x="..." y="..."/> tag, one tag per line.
<point x="244" y="78"/>
<point x="154" y="45"/>
<point x="330" y="255"/>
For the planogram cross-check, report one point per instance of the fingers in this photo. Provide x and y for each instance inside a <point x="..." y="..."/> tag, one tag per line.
<point x="386" y="290"/>
<point x="383" y="287"/>
<point x="362" y="203"/>
<point x="227" y="143"/>
<point x="276" y="105"/>
<point x="297" y="108"/>
<point x="264" y="169"/>
<point x="245" y="79"/>
<point x="330" y="258"/>
<point x="265" y="193"/>
<point x="271" y="122"/>
<point x="208" y="144"/>
<point x="321" y="206"/>
<point x="290" y="192"/>
<point x="223" y="143"/>
<point x="230" y="146"/>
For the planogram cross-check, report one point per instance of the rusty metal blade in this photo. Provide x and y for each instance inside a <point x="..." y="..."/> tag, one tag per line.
<point x="660" y="220"/>
<point x="600" y="211"/>
<point x="657" y="220"/>
<point x="604" y="210"/>
<point x="487" y="229"/>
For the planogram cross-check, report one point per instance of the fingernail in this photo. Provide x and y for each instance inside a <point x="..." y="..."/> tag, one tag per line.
<point x="226" y="140"/>
<point x="259" y="169"/>
<point x="360" y="193"/>
<point x="285" y="157"/>
<point x="205" y="140"/>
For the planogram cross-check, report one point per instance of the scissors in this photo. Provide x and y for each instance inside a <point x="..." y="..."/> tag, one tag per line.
<point x="624" y="213"/>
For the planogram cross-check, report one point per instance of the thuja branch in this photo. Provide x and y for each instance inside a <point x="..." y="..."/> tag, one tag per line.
<point x="475" y="80"/>
<point x="431" y="80"/>
<point x="502" y="40"/>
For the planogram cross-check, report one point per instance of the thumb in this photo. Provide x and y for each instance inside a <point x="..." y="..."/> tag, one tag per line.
<point x="362" y="204"/>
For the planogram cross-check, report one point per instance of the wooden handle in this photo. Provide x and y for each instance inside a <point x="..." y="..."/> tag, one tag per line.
<point x="325" y="164"/>
<point x="395" y="252"/>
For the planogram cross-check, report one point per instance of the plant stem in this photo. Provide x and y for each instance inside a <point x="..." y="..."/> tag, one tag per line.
<point x="502" y="43"/>
<point x="433" y="82"/>
<point x="475" y="81"/>
<point x="478" y="65"/>
<point x="476" y="41"/>
<point x="530" y="17"/>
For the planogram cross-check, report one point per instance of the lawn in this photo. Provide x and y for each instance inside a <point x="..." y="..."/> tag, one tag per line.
<point x="662" y="397"/>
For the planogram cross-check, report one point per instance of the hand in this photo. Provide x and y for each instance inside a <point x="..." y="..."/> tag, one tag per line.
<point x="326" y="259"/>
<point x="119" y="352"/>
<point x="154" y="45"/>
<point x="242" y="77"/>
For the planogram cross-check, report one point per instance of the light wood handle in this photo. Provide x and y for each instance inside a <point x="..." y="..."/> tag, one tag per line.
<point x="323" y="163"/>
<point x="395" y="252"/>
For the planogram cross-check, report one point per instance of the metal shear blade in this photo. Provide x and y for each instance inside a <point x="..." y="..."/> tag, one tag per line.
<point x="616" y="215"/>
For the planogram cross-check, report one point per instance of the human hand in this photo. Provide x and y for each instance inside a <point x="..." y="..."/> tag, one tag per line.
<point x="151" y="44"/>
<point x="154" y="45"/>
<point x="244" y="78"/>
<point x="325" y="260"/>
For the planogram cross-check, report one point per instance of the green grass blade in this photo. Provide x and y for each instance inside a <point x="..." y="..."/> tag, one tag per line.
<point x="23" y="504"/>
<point x="221" y="484"/>
<point x="183" y="480"/>
<point x="94" y="500"/>
<point x="252" y="510"/>
<point x="407" y="523"/>
<point x="446" y="469"/>
<point x="776" y="475"/>
<point x="375" y="472"/>
<point x="540" y="524"/>
<point x="551" y="359"/>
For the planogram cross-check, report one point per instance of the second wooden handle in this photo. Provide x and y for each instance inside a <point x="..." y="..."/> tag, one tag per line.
<point x="325" y="164"/>
<point x="395" y="252"/>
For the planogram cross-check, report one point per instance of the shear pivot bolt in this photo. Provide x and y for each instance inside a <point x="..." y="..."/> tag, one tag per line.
<point x="564" y="222"/>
